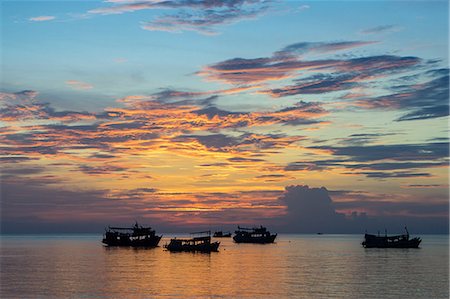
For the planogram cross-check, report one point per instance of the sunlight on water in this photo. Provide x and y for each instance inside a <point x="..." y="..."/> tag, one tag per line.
<point x="300" y="266"/>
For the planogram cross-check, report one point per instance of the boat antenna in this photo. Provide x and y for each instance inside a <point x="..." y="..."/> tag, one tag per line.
<point x="407" y="232"/>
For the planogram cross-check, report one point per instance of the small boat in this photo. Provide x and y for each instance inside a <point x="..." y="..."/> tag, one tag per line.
<point x="135" y="236"/>
<point x="397" y="241"/>
<point x="200" y="244"/>
<point x="254" y="235"/>
<point x="221" y="234"/>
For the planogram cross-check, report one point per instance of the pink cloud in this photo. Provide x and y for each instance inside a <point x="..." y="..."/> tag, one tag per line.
<point x="41" y="18"/>
<point x="79" y="84"/>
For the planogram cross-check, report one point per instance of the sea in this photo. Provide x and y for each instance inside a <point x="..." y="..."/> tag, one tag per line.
<point x="296" y="266"/>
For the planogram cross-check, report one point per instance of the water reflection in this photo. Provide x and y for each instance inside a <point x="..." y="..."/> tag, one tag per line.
<point x="296" y="266"/>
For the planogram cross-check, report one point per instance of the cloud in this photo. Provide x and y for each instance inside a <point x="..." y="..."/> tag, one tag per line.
<point x="79" y="85"/>
<point x="424" y="100"/>
<point x="286" y="63"/>
<point x="202" y="22"/>
<point x="60" y="210"/>
<point x="190" y="15"/>
<point x="22" y="106"/>
<point x="244" y="143"/>
<point x="352" y="73"/>
<point x="304" y="7"/>
<point x="174" y="121"/>
<point x="41" y="18"/>
<point x="381" y="29"/>
<point x="298" y="209"/>
<point x="405" y="160"/>
<point x="120" y="7"/>
<point x="244" y="160"/>
<point x="388" y="82"/>
<point x="396" y="152"/>
<point x="302" y="48"/>
<point x="311" y="210"/>
<point x="101" y="170"/>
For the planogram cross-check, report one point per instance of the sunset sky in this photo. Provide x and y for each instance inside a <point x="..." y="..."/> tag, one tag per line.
<point x="186" y="114"/>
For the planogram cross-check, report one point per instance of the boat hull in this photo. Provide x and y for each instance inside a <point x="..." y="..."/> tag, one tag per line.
<point x="207" y="247"/>
<point x="372" y="241"/>
<point x="147" y="242"/>
<point x="127" y="242"/>
<point x="252" y="239"/>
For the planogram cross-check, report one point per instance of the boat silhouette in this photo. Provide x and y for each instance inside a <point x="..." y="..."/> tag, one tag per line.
<point x="135" y="236"/>
<point x="200" y="243"/>
<point x="396" y="241"/>
<point x="254" y="235"/>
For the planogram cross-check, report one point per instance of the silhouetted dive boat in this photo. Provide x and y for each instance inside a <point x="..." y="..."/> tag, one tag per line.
<point x="221" y="234"/>
<point x="254" y="235"/>
<point x="200" y="244"/>
<point x="397" y="241"/>
<point x="136" y="236"/>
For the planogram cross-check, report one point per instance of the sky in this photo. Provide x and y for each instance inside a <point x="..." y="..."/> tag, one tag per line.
<point x="305" y="116"/>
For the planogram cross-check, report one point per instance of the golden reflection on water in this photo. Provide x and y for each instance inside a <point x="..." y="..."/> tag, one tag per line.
<point x="297" y="266"/>
<point x="236" y="270"/>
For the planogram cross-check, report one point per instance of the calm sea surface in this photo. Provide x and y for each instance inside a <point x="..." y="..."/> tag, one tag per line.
<point x="297" y="266"/>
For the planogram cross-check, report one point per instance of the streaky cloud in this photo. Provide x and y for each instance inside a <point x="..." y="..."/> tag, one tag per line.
<point x="41" y="18"/>
<point x="381" y="29"/>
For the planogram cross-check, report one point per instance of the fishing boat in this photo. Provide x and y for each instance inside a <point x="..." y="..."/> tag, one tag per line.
<point x="254" y="235"/>
<point x="200" y="243"/>
<point x="135" y="236"/>
<point x="397" y="241"/>
<point x="221" y="234"/>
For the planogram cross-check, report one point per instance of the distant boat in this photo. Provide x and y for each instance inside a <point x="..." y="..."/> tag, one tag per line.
<point x="221" y="234"/>
<point x="254" y="235"/>
<point x="200" y="244"/>
<point x="397" y="241"/>
<point x="136" y="236"/>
